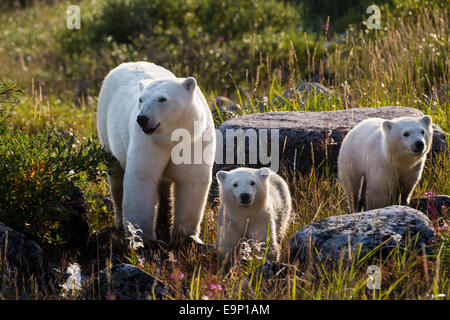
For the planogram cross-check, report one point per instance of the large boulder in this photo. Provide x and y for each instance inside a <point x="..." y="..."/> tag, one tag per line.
<point x="387" y="227"/>
<point x="306" y="139"/>
<point x="22" y="255"/>
<point x="127" y="282"/>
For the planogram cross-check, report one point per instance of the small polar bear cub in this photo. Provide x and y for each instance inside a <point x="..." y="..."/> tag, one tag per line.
<point x="140" y="106"/>
<point x="252" y="200"/>
<point x="381" y="161"/>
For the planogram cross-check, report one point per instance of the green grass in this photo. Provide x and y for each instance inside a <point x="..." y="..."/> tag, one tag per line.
<point x="396" y="66"/>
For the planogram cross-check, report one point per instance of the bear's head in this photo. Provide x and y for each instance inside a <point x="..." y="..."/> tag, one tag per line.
<point x="243" y="186"/>
<point x="165" y="104"/>
<point x="409" y="136"/>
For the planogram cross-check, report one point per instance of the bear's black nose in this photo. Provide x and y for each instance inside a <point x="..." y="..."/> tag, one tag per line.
<point x="245" y="198"/>
<point x="142" y="120"/>
<point x="419" y="146"/>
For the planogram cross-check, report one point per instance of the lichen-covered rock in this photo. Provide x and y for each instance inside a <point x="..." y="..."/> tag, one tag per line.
<point x="309" y="139"/>
<point x="389" y="227"/>
<point x="127" y="282"/>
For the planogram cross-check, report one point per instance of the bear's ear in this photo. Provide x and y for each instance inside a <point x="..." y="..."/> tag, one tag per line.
<point x="221" y="175"/>
<point x="264" y="173"/>
<point x="189" y="84"/>
<point x="426" y="120"/>
<point x="387" y="125"/>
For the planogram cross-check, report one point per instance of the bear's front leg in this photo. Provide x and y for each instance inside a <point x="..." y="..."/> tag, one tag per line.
<point x="228" y="236"/>
<point x="140" y="197"/>
<point x="408" y="182"/>
<point x="140" y="190"/>
<point x="265" y="231"/>
<point x="378" y="194"/>
<point x="190" y="201"/>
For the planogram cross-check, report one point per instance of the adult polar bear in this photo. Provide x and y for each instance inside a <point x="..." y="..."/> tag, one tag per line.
<point x="140" y="106"/>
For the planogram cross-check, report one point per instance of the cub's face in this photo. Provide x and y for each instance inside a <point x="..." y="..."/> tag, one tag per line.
<point x="243" y="186"/>
<point x="162" y="104"/>
<point x="408" y="135"/>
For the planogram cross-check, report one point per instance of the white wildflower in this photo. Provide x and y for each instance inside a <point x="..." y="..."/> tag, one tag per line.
<point x="73" y="282"/>
<point x="135" y="241"/>
<point x="251" y="249"/>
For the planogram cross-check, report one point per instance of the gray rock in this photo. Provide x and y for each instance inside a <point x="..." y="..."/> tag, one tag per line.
<point x="127" y="282"/>
<point x="224" y="106"/>
<point x="433" y="205"/>
<point x="442" y="95"/>
<point x="389" y="227"/>
<point x="312" y="139"/>
<point x="23" y="255"/>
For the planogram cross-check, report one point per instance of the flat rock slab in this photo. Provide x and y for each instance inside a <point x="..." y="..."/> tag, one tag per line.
<point x="309" y="139"/>
<point x="127" y="282"/>
<point x="390" y="227"/>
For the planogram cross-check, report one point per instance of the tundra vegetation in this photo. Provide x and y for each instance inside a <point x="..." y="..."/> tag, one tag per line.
<point x="50" y="160"/>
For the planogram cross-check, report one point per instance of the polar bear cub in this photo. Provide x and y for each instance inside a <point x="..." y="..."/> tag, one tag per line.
<point x="140" y="107"/>
<point x="381" y="161"/>
<point x="254" y="203"/>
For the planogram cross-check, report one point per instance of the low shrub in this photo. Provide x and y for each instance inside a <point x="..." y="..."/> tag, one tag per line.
<point x="40" y="175"/>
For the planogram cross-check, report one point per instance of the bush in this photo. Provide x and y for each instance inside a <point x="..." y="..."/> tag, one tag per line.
<point x="190" y="37"/>
<point x="341" y="13"/>
<point x="39" y="176"/>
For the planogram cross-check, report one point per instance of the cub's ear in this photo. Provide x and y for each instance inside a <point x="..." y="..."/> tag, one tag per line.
<point x="189" y="84"/>
<point x="141" y="86"/>
<point x="426" y="120"/>
<point x="221" y="176"/>
<point x="387" y="125"/>
<point x="264" y="173"/>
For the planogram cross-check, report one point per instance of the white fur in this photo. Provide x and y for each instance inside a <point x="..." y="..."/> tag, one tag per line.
<point x="269" y="207"/>
<point x="144" y="160"/>
<point x="379" y="164"/>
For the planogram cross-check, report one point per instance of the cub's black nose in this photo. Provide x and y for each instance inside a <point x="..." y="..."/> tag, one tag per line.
<point x="142" y="120"/>
<point x="245" y="198"/>
<point x="419" y="145"/>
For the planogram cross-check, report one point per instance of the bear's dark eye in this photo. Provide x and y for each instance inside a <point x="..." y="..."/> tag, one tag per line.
<point x="140" y="100"/>
<point x="422" y="132"/>
<point x="406" y="134"/>
<point x="235" y="185"/>
<point x="162" y="99"/>
<point x="252" y="183"/>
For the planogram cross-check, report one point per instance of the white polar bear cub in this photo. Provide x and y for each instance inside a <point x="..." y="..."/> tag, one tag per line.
<point x="252" y="200"/>
<point x="140" y="105"/>
<point x="381" y="161"/>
